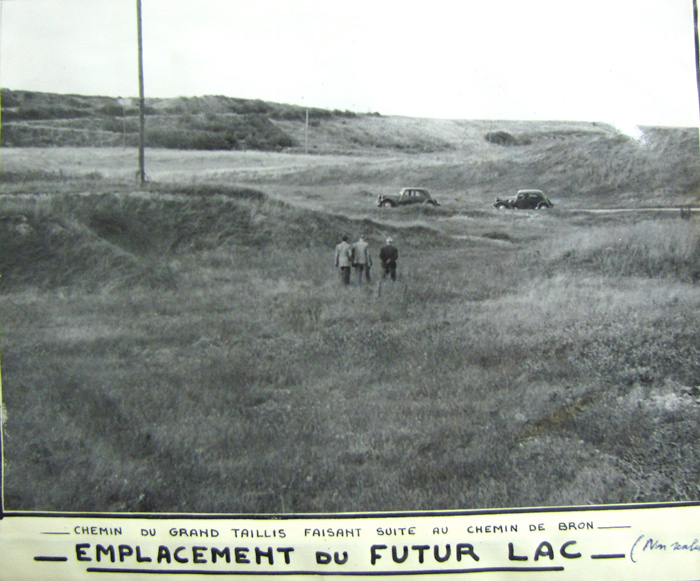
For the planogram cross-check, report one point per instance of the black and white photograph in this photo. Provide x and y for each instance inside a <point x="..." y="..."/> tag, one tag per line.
<point x="271" y="257"/>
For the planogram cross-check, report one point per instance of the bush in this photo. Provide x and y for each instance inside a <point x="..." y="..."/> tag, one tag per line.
<point x="217" y="132"/>
<point x="500" y="138"/>
<point x="8" y="99"/>
<point x="188" y="139"/>
<point x="43" y="113"/>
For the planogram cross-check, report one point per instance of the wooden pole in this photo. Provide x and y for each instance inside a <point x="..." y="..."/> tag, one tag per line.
<point x="697" y="45"/>
<point x="142" y="115"/>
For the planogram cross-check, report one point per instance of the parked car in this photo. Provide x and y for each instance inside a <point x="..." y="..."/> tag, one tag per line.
<point x="525" y="200"/>
<point x="407" y="196"/>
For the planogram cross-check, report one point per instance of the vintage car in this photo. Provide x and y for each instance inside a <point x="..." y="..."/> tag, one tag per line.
<point x="407" y="196"/>
<point x="525" y="200"/>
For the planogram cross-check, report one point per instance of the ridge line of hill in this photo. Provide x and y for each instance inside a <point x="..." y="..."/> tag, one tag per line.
<point x="215" y="122"/>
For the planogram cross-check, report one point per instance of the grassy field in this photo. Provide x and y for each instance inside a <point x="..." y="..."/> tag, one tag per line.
<point x="189" y="347"/>
<point x="351" y="157"/>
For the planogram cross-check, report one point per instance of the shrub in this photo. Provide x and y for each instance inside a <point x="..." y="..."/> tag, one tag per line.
<point x="8" y="99"/>
<point x="111" y="110"/>
<point x="188" y="139"/>
<point x="500" y="138"/>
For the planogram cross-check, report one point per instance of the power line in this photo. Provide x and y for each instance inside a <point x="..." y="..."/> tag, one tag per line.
<point x="142" y="114"/>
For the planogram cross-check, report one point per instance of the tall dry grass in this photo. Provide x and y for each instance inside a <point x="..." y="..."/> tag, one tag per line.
<point x="661" y="248"/>
<point x="245" y="378"/>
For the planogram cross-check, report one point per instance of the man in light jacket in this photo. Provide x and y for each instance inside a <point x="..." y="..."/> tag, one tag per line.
<point x="362" y="259"/>
<point x="343" y="259"/>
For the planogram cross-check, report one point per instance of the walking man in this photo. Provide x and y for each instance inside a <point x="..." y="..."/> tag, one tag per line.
<point x="389" y="254"/>
<point x="362" y="260"/>
<point x="343" y="259"/>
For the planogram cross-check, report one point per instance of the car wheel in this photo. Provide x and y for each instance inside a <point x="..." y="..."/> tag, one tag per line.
<point x="501" y="207"/>
<point x="387" y="204"/>
<point x="543" y="206"/>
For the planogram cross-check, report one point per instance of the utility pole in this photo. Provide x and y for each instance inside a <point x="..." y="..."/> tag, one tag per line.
<point x="697" y="45"/>
<point x="142" y="117"/>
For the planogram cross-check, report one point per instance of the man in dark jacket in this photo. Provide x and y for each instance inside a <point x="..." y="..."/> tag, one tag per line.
<point x="389" y="254"/>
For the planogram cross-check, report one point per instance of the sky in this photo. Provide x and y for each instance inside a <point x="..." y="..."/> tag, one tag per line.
<point x="627" y="62"/>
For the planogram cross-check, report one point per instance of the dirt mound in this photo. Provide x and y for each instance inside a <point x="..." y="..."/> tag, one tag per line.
<point x="106" y="240"/>
<point x="55" y="251"/>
